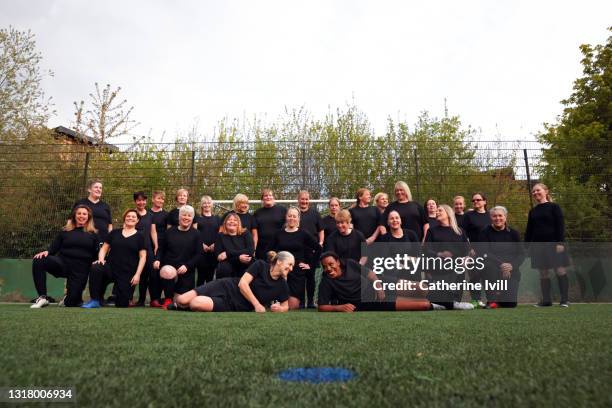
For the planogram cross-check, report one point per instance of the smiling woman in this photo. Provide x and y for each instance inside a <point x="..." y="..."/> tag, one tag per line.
<point x="69" y="256"/>
<point x="123" y="266"/>
<point x="262" y="286"/>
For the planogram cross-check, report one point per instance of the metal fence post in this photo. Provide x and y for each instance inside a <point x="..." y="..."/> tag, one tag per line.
<point x="416" y="171"/>
<point x="86" y="171"/>
<point x="528" y="177"/>
<point x="192" y="180"/>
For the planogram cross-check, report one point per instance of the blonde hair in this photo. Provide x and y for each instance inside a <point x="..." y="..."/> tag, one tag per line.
<point x="545" y="188"/>
<point x="204" y="199"/>
<point x="297" y="211"/>
<point x="451" y="218"/>
<point x="239" y="198"/>
<point x="378" y="196"/>
<point x="229" y="215"/>
<point x="181" y="190"/>
<point x="404" y="186"/>
<point x="71" y="222"/>
<point x="343" y="215"/>
<point x="265" y="191"/>
<point x="158" y="193"/>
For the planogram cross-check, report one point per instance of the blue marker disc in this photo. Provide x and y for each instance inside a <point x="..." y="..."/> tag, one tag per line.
<point x="317" y="375"/>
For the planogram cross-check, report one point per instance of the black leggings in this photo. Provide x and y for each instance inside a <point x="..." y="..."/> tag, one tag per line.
<point x="206" y="268"/>
<point x="75" y="270"/>
<point x="99" y="278"/>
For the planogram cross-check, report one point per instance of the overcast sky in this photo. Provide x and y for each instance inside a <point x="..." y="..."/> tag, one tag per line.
<point x="502" y="66"/>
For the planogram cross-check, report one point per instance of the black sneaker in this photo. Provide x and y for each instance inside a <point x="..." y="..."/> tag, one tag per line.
<point x="171" y="306"/>
<point x="110" y="301"/>
<point x="542" y="304"/>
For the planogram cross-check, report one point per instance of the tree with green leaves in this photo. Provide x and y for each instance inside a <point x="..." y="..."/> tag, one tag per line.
<point x="23" y="104"/>
<point x="577" y="162"/>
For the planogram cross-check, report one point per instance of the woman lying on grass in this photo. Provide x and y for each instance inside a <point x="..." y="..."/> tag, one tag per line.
<point x="344" y="289"/>
<point x="263" y="285"/>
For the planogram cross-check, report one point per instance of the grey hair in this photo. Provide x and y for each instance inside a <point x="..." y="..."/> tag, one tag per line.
<point x="187" y="209"/>
<point x="499" y="208"/>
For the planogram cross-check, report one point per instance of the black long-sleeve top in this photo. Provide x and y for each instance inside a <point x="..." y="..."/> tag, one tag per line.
<point x="180" y="247"/>
<point x="545" y="224"/>
<point x="441" y="238"/>
<point x="235" y="245"/>
<point x="76" y="244"/>
<point x="295" y="242"/>
<point x="101" y="213"/>
<point x="501" y="246"/>
<point x="474" y="222"/>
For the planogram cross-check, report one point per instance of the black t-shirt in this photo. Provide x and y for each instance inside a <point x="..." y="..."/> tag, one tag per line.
<point x="208" y="227"/>
<point x="159" y="218"/>
<point x="101" y="215"/>
<point x="265" y="289"/>
<point x="310" y="221"/>
<point x="247" y="220"/>
<point x="545" y="224"/>
<point x="408" y="236"/>
<point x="329" y="226"/>
<point x="460" y="220"/>
<point x="433" y="222"/>
<point x="172" y="219"/>
<point x="180" y="248"/>
<point x="365" y="219"/>
<point x="474" y="222"/>
<point x="235" y="245"/>
<point x="269" y="221"/>
<point x="144" y="226"/>
<point x="296" y="243"/>
<point x="346" y="246"/>
<point x="411" y="213"/>
<point x="123" y="256"/>
<point x="76" y="244"/>
<point x="345" y="289"/>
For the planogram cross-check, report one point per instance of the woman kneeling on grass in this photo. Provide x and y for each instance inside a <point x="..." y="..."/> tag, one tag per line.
<point x="263" y="285"/>
<point x="344" y="289"/>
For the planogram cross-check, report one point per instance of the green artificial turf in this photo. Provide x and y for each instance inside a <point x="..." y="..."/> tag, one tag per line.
<point x="147" y="357"/>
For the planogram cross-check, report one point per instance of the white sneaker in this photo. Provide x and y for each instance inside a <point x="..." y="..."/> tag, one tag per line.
<point x="61" y="302"/>
<point x="481" y="304"/>
<point x="40" y="303"/>
<point x="436" y="306"/>
<point x="463" y="306"/>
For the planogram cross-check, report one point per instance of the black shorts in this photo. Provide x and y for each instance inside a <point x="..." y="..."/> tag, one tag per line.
<point x="185" y="282"/>
<point x="545" y="256"/>
<point x="222" y="292"/>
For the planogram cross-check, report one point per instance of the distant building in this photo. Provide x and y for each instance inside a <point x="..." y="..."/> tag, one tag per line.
<point x="69" y="136"/>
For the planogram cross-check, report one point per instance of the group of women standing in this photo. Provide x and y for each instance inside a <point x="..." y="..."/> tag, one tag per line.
<point x="241" y="261"/>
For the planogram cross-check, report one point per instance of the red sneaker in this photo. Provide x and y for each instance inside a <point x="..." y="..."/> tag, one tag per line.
<point x="155" y="303"/>
<point x="167" y="301"/>
<point x="492" y="305"/>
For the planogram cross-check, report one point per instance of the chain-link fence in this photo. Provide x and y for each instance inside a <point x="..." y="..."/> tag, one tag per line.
<point x="41" y="182"/>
